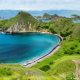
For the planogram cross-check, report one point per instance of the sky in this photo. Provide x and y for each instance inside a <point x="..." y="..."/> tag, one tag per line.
<point x="40" y="4"/>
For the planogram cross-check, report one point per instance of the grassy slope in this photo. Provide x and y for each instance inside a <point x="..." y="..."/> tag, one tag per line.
<point x="14" y="72"/>
<point x="61" y="65"/>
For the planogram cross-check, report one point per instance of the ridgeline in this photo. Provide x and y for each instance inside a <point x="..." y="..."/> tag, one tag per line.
<point x="22" y="22"/>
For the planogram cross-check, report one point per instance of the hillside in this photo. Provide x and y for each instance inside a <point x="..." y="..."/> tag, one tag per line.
<point x="17" y="72"/>
<point x="63" y="26"/>
<point x="76" y="31"/>
<point x="23" y="21"/>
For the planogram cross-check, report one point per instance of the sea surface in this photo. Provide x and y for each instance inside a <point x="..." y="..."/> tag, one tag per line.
<point x="17" y="48"/>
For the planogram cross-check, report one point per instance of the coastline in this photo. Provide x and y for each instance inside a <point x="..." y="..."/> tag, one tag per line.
<point x="33" y="62"/>
<point x="39" y="59"/>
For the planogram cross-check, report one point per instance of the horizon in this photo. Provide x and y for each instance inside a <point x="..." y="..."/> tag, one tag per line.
<point x="38" y="10"/>
<point x="32" y="5"/>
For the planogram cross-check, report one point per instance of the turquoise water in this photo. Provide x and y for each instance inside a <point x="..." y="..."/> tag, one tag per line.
<point x="76" y="21"/>
<point x="17" y="48"/>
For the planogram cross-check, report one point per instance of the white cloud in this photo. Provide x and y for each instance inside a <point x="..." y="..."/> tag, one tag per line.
<point x="40" y="4"/>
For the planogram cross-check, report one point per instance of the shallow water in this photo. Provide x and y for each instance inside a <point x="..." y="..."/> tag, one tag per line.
<point x="17" y="48"/>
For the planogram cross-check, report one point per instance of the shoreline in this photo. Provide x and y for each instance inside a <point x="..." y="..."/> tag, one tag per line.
<point x="33" y="62"/>
<point x="39" y="59"/>
<point x="61" y="38"/>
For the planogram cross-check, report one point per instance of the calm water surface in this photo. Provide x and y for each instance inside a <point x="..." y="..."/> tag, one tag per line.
<point x="23" y="47"/>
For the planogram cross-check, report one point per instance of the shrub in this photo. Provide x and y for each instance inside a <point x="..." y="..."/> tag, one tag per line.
<point x="5" y="72"/>
<point x="69" y="52"/>
<point x="70" y="77"/>
<point x="45" y="68"/>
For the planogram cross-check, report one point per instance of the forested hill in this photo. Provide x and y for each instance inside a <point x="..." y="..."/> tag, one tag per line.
<point x="63" y="26"/>
<point x="23" y="21"/>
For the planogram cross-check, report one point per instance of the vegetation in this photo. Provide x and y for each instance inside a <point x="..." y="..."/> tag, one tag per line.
<point x="45" y="68"/>
<point x="23" y="20"/>
<point x="17" y="72"/>
<point x="59" y="66"/>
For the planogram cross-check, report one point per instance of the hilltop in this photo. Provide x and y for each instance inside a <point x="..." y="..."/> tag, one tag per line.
<point x="23" y="21"/>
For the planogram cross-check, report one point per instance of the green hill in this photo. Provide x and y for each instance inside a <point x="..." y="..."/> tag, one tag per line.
<point x="23" y="21"/>
<point x="63" y="26"/>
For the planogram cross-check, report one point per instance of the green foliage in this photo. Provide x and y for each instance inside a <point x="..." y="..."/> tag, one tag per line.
<point x="2" y="23"/>
<point x="17" y="72"/>
<point x="22" y="18"/>
<point x="65" y="34"/>
<point x="45" y="68"/>
<point x="72" y="48"/>
<point x="63" y="26"/>
<point x="6" y="72"/>
<point x="70" y="76"/>
<point x="76" y="32"/>
<point x="51" y="29"/>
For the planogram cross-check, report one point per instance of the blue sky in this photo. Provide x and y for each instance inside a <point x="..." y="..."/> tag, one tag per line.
<point x="40" y="4"/>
